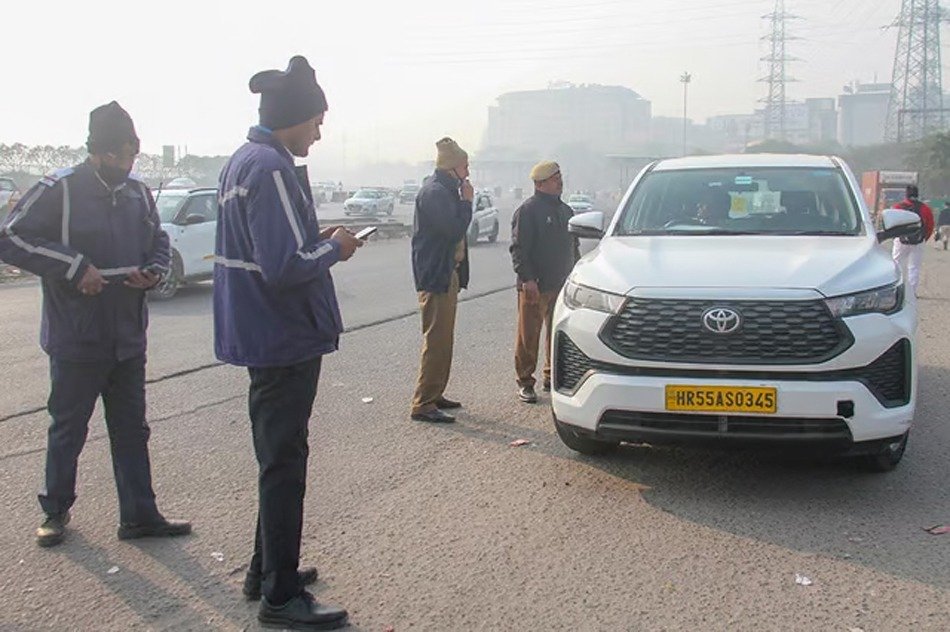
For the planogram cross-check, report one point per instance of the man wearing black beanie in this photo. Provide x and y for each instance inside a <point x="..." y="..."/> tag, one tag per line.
<point x="276" y="313"/>
<point x="95" y="315"/>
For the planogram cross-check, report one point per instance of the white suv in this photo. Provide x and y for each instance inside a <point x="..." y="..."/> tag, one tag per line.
<point x="739" y="299"/>
<point x="190" y="217"/>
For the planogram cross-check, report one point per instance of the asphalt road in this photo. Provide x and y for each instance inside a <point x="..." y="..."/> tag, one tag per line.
<point x="451" y="528"/>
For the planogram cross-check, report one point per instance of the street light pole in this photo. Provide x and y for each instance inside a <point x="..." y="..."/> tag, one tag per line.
<point x="685" y="79"/>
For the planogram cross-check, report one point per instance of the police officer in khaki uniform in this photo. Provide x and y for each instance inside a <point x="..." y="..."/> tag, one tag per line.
<point x="543" y="254"/>
<point x="440" y="267"/>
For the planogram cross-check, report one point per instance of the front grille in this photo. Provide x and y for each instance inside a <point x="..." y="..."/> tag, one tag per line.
<point x="570" y="364"/>
<point x="635" y="424"/>
<point x="772" y="332"/>
<point x="889" y="377"/>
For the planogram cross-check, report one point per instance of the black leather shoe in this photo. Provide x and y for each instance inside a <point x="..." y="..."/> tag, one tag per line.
<point x="301" y="613"/>
<point x="447" y="404"/>
<point x="434" y="417"/>
<point x="53" y="530"/>
<point x="527" y="395"/>
<point x="252" y="582"/>
<point x="162" y="529"/>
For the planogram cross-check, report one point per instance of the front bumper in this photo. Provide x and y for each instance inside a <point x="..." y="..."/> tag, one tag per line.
<point x="832" y="404"/>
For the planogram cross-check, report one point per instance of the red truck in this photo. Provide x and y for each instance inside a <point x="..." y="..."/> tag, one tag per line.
<point x="884" y="189"/>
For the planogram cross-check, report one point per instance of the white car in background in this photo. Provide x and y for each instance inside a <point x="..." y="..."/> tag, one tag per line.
<point x="9" y="196"/>
<point x="190" y="217"/>
<point x="370" y="201"/>
<point x="580" y="203"/>
<point x="739" y="300"/>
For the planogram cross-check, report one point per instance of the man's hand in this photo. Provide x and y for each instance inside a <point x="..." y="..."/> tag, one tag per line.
<point x="142" y="280"/>
<point x="467" y="191"/>
<point x="92" y="281"/>
<point x="531" y="292"/>
<point x="348" y="243"/>
<point x="327" y="232"/>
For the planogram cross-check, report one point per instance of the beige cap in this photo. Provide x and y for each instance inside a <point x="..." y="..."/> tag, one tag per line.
<point x="544" y="170"/>
<point x="450" y="155"/>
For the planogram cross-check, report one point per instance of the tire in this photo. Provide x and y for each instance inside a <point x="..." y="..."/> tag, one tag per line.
<point x="493" y="237"/>
<point x="170" y="285"/>
<point x="582" y="444"/>
<point x="888" y="458"/>
<point x="472" y="237"/>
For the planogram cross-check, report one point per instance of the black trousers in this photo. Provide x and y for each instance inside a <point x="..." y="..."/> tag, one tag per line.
<point x="280" y="401"/>
<point x="76" y="386"/>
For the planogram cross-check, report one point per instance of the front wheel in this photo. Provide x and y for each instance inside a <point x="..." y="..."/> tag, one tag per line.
<point x="583" y="444"/>
<point x="168" y="287"/>
<point x="888" y="458"/>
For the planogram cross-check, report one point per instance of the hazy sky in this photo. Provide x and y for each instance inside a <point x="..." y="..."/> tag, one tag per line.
<point x="399" y="75"/>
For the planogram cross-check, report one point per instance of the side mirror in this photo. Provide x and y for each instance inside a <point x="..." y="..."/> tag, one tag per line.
<point x="193" y="219"/>
<point x="587" y="225"/>
<point x="898" y="223"/>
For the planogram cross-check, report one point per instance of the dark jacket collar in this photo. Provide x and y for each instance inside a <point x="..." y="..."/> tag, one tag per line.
<point x="447" y="180"/>
<point x="548" y="198"/>
<point x="264" y="136"/>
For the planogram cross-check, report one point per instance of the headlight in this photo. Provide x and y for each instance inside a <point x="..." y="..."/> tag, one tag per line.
<point x="582" y="297"/>
<point x="883" y="300"/>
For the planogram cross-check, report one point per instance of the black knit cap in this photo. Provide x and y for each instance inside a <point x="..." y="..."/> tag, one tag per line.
<point x="288" y="97"/>
<point x="110" y="128"/>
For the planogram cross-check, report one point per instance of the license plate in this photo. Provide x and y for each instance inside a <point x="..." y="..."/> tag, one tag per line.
<point x="722" y="399"/>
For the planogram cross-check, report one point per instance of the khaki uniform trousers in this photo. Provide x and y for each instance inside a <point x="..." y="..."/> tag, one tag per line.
<point x="530" y="320"/>
<point x="438" y="339"/>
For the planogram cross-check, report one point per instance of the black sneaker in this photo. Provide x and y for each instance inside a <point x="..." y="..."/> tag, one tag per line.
<point x="161" y="529"/>
<point x="527" y="395"/>
<point x="301" y="613"/>
<point x="435" y="416"/>
<point x="447" y="404"/>
<point x="252" y="582"/>
<point x="53" y="530"/>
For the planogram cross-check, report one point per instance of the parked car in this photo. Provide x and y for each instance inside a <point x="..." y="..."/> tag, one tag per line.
<point x="190" y="218"/>
<point x="182" y="183"/>
<point x="484" y="219"/>
<point x="739" y="300"/>
<point x="368" y="201"/>
<point x="580" y="203"/>
<point x="9" y="195"/>
<point x="408" y="194"/>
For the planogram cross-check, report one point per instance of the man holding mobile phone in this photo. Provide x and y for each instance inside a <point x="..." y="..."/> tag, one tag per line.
<point x="440" y="267"/>
<point x="276" y="313"/>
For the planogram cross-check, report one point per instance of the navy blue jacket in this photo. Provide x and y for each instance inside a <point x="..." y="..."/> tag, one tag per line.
<point x="274" y="301"/>
<point x="72" y="219"/>
<point x="441" y="221"/>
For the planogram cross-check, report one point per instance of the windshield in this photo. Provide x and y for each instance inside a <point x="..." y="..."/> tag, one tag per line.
<point x="168" y="203"/>
<point x="371" y="195"/>
<point x="754" y="201"/>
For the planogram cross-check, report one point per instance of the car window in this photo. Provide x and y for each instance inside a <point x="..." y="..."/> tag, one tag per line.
<point x="754" y="201"/>
<point x="205" y="205"/>
<point x="168" y="203"/>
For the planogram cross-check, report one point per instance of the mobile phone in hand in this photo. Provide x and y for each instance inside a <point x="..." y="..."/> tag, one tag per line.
<point x="364" y="234"/>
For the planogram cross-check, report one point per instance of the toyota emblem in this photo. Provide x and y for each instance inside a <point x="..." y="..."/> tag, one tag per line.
<point x="722" y="320"/>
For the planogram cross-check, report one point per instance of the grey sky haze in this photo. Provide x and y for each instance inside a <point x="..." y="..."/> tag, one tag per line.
<point x="399" y="75"/>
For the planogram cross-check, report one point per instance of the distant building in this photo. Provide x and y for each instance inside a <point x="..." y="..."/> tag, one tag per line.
<point x="605" y="118"/>
<point x="737" y="131"/>
<point x="863" y="114"/>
